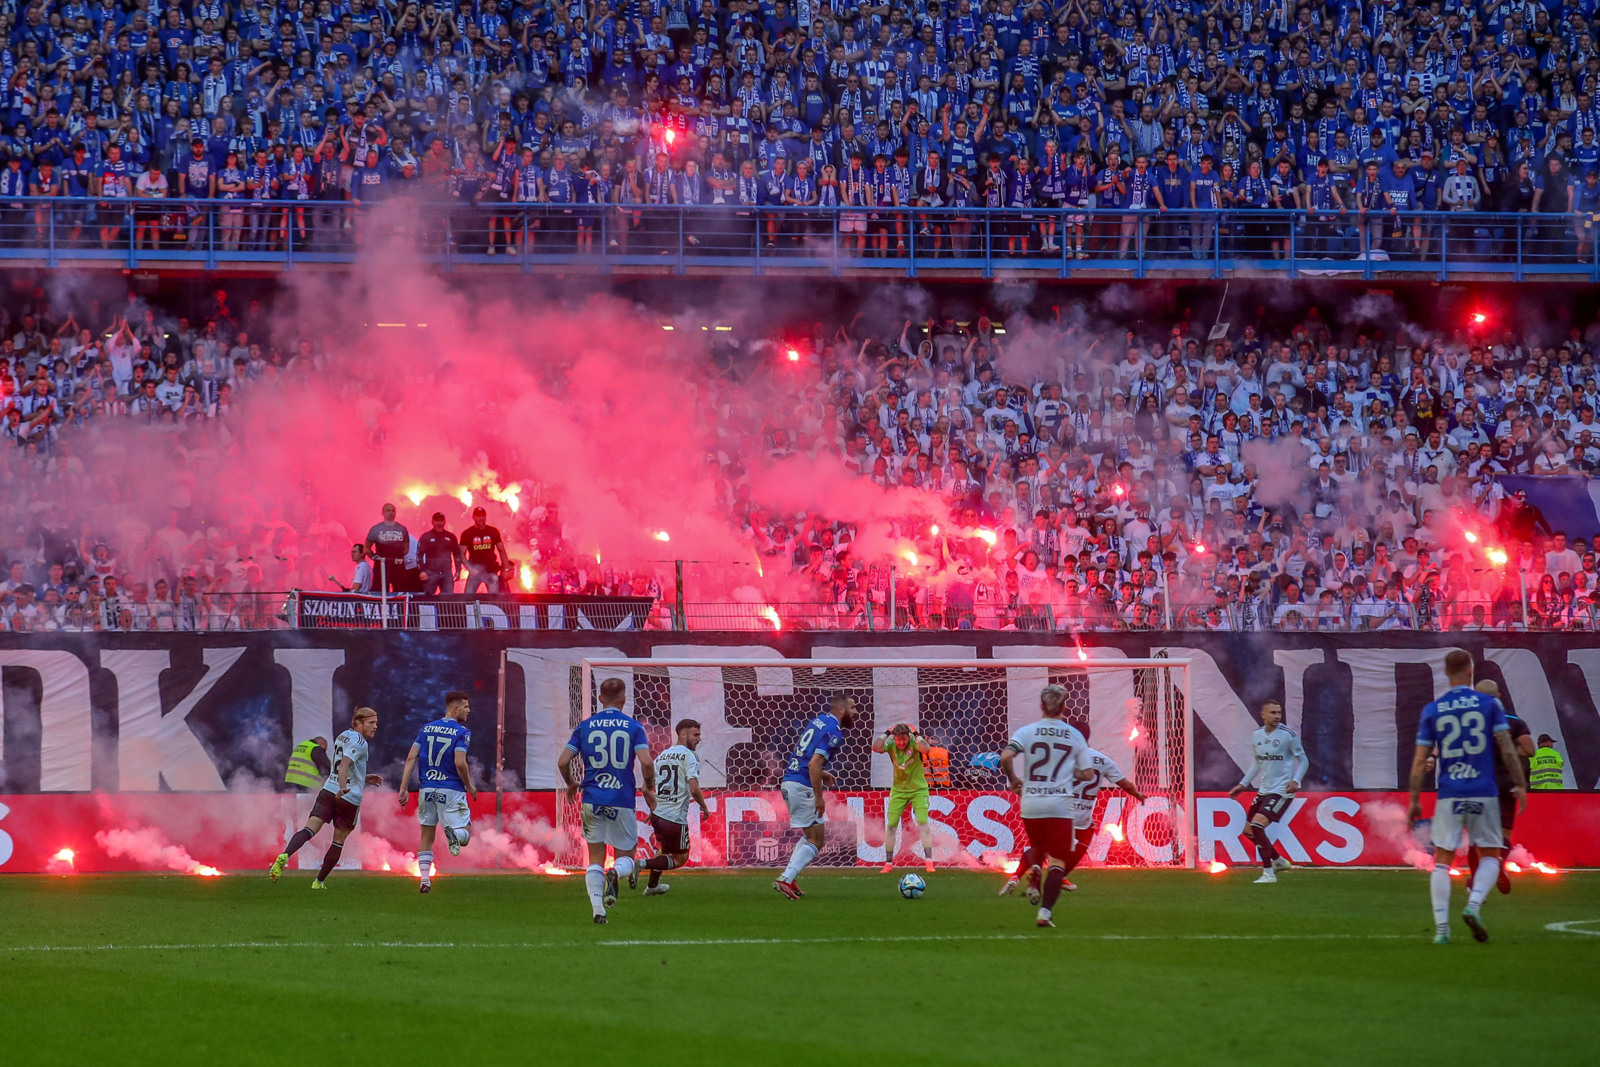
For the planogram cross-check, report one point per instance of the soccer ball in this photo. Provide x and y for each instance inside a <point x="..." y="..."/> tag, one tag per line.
<point x="912" y="886"/>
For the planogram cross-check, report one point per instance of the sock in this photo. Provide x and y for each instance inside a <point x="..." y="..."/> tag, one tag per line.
<point x="1030" y="856"/>
<point x="301" y="836"/>
<point x="804" y="853"/>
<point x="656" y="864"/>
<point x="425" y="865"/>
<point x="624" y="866"/>
<point x="1072" y="859"/>
<point x="330" y="860"/>
<point x="1483" y="881"/>
<point x="594" y="880"/>
<point x="1258" y="834"/>
<point x="1052" y="886"/>
<point x="890" y="836"/>
<point x="927" y="841"/>
<point x="1439" y="892"/>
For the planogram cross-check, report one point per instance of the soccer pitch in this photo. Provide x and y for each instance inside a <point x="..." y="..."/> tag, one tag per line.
<point x="1146" y="967"/>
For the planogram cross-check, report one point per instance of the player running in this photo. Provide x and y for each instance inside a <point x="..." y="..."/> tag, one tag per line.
<point x="803" y="782"/>
<point x="677" y="783"/>
<point x="1056" y="757"/>
<point x="339" y="802"/>
<point x="1280" y="761"/>
<point x="1106" y="772"/>
<point x="445" y="784"/>
<point x="1460" y="723"/>
<point x="609" y="741"/>
<point x="908" y="754"/>
<point x="1522" y="741"/>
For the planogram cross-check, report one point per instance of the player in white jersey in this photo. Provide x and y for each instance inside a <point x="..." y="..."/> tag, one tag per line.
<point x="677" y="783"/>
<point x="1055" y="758"/>
<point x="339" y="802"/>
<point x="1281" y="764"/>
<point x="1106" y="772"/>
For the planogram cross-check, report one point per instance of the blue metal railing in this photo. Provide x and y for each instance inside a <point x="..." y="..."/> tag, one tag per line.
<point x="908" y="241"/>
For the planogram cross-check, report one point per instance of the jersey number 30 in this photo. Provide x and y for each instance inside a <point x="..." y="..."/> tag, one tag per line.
<point x="612" y="751"/>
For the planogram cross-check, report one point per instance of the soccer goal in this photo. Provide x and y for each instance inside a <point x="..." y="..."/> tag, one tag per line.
<point x="1136" y="711"/>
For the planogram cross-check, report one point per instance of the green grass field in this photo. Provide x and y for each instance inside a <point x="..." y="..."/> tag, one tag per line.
<point x="1145" y="967"/>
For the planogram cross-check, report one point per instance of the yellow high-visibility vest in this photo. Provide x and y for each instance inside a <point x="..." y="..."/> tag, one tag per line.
<point x="1544" y="769"/>
<point x="302" y="770"/>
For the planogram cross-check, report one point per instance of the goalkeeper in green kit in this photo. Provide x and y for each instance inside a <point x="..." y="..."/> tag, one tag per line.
<point x="907" y="752"/>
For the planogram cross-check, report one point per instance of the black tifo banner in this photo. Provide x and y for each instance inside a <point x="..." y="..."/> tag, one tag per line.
<point x="457" y="611"/>
<point x="205" y="712"/>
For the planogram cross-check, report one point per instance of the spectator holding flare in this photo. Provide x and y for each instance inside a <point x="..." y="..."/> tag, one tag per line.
<point x="485" y="554"/>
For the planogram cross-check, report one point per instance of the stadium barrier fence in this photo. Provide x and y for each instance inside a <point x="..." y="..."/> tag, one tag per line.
<point x="909" y="241"/>
<point x="304" y="609"/>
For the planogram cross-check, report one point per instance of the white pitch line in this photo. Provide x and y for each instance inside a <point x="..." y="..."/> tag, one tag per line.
<point x="695" y="942"/>
<point x="1572" y="927"/>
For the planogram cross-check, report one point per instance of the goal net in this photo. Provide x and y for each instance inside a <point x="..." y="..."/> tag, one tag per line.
<point x="752" y="713"/>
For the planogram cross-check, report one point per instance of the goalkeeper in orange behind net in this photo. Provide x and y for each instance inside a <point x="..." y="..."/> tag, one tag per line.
<point x="908" y="754"/>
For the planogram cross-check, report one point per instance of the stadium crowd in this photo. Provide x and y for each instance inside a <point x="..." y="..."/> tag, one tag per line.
<point x="1280" y="476"/>
<point x="278" y="111"/>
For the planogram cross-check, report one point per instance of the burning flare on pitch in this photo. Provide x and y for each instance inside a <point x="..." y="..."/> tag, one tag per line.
<point x="1217" y="867"/>
<point x="63" y="862"/>
<point x="1115" y="830"/>
<point x="149" y="848"/>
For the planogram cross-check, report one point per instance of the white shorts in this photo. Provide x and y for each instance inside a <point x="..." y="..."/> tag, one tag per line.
<point x="1083" y="815"/>
<point x="616" y="827"/>
<point x="802" y="803"/>
<point x="1478" y="816"/>
<point x="443" y="807"/>
<point x="852" y="223"/>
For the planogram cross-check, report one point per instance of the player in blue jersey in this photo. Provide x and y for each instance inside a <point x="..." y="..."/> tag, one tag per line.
<point x="608" y="742"/>
<point x="1466" y="727"/>
<point x="803" y="781"/>
<point x="445" y="783"/>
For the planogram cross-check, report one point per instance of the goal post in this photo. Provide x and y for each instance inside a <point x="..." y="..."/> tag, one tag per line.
<point x="1139" y="712"/>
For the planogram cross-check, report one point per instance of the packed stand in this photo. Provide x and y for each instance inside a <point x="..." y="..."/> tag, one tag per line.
<point x="1354" y="114"/>
<point x="113" y="424"/>
<point x="1284" y="479"/>
<point x="1277" y="477"/>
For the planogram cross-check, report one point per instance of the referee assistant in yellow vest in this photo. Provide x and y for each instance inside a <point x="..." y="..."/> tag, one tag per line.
<point x="1544" y="768"/>
<point x="308" y="765"/>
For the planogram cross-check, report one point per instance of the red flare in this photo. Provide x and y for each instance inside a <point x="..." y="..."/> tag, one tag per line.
<point x="1217" y="867"/>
